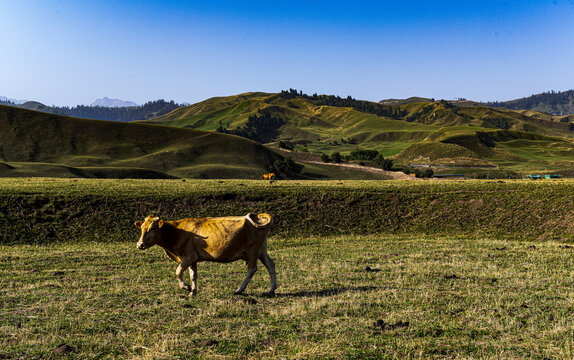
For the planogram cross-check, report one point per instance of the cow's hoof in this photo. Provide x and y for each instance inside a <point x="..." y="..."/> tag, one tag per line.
<point x="239" y="292"/>
<point x="193" y="293"/>
<point x="186" y="288"/>
<point x="270" y="293"/>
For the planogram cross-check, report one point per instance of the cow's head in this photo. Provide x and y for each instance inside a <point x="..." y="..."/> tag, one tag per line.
<point x="151" y="233"/>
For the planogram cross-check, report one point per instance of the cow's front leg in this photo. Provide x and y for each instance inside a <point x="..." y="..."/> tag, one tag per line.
<point x="193" y="278"/>
<point x="251" y="269"/>
<point x="179" y="273"/>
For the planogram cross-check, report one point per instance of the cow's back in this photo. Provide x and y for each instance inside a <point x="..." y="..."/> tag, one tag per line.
<point x="222" y="239"/>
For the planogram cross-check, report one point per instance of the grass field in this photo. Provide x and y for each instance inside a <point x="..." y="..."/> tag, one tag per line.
<point x="366" y="269"/>
<point x="44" y="210"/>
<point x="339" y="297"/>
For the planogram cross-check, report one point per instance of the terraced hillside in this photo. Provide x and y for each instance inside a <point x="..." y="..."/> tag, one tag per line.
<point x="438" y="133"/>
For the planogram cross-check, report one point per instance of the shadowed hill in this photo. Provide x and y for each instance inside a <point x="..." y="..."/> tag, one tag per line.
<point x="114" y="113"/>
<point x="557" y="103"/>
<point x="34" y="143"/>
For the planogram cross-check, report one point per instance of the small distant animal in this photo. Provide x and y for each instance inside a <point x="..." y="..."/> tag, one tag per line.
<point x="269" y="176"/>
<point x="216" y="239"/>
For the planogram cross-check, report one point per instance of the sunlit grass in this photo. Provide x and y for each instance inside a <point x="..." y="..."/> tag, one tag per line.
<point x="461" y="297"/>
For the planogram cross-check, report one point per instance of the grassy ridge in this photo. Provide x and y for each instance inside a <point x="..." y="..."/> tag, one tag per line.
<point x="47" y="210"/>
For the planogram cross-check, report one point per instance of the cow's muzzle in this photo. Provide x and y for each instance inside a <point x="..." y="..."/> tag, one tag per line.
<point x="141" y="246"/>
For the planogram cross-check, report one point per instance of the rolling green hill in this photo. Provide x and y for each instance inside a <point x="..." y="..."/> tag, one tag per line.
<point x="41" y="144"/>
<point x="443" y="133"/>
<point x="34" y="143"/>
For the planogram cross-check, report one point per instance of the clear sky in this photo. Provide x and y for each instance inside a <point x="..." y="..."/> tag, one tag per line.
<point x="68" y="52"/>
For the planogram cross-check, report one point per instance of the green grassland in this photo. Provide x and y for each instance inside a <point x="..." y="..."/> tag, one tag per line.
<point x="366" y="269"/>
<point x="421" y="132"/>
<point x="369" y="297"/>
<point x="45" y="210"/>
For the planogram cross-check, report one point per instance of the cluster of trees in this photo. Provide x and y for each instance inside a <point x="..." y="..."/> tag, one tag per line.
<point x="363" y="154"/>
<point x="286" y="145"/>
<point x="552" y="99"/>
<point x="261" y="127"/>
<point x="142" y="112"/>
<point x="394" y="112"/>
<point x="146" y="111"/>
<point x="499" y="123"/>
<point x="422" y="113"/>
<point x="374" y="156"/>
<point x="7" y="102"/>
<point x="286" y="166"/>
<point x="426" y="173"/>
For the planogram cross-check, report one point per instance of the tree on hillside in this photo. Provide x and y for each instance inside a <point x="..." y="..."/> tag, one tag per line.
<point x="286" y="146"/>
<point x="261" y="127"/>
<point x="381" y="162"/>
<point x="336" y="156"/>
<point x="129" y="113"/>
<point x="363" y="154"/>
<point x="394" y="112"/>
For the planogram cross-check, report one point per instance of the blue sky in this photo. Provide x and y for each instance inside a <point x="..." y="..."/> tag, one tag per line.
<point x="68" y="52"/>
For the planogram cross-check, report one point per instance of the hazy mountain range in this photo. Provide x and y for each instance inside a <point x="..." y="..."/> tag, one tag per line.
<point x="4" y="99"/>
<point x="107" y="102"/>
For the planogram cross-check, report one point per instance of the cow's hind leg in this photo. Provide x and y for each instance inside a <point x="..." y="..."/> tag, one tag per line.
<point x="179" y="273"/>
<point x="251" y="269"/>
<point x="193" y="278"/>
<point x="270" y="265"/>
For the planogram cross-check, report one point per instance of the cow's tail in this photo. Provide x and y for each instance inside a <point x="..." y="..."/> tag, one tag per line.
<point x="259" y="220"/>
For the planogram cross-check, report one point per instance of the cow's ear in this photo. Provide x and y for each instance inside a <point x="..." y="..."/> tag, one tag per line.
<point x="138" y="224"/>
<point x="160" y="223"/>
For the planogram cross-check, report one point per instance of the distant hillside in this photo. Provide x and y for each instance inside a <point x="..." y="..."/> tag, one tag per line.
<point x="412" y="99"/>
<point x="7" y="101"/>
<point x="148" y="110"/>
<point x="39" y="144"/>
<point x="328" y="124"/>
<point x="555" y="103"/>
<point x="107" y="102"/>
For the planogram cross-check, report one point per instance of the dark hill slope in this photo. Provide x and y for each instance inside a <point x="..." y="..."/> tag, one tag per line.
<point x="556" y="103"/>
<point x="126" y="113"/>
<point x="35" y="143"/>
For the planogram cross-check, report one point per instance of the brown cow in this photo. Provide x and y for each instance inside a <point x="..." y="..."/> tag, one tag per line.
<point x="218" y="239"/>
<point x="269" y="176"/>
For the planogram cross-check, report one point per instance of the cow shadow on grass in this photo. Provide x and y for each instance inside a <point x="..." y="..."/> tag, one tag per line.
<point x="328" y="292"/>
